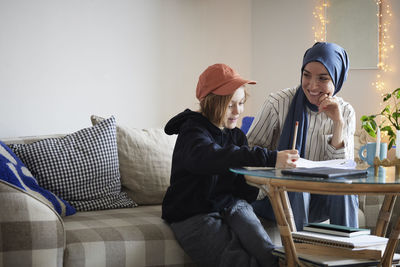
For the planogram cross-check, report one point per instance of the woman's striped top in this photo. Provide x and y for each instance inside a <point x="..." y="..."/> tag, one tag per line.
<point x="267" y="127"/>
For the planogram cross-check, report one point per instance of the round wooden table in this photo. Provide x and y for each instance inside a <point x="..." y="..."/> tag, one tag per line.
<point x="276" y="185"/>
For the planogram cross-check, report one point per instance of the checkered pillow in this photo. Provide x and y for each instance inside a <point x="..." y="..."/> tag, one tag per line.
<point x="81" y="168"/>
<point x="13" y="171"/>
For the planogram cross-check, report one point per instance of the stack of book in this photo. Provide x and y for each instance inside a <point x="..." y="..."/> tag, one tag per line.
<point x="337" y="244"/>
<point x="347" y="241"/>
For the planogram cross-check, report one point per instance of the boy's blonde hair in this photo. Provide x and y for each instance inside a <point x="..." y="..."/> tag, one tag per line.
<point x="214" y="107"/>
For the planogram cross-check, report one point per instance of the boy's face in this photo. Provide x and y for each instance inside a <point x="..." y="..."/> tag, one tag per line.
<point x="234" y="109"/>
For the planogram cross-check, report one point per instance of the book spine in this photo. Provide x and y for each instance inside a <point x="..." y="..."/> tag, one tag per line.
<point x="325" y="231"/>
<point x="324" y="243"/>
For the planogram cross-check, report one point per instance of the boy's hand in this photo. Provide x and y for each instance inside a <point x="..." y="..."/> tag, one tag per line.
<point x="286" y="159"/>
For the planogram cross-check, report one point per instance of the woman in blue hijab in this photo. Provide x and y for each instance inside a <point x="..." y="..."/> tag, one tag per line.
<point x="325" y="131"/>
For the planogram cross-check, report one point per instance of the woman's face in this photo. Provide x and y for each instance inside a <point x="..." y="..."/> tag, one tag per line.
<point x="234" y="109"/>
<point x="316" y="82"/>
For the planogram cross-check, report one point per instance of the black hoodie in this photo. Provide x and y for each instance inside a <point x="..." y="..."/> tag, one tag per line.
<point x="200" y="178"/>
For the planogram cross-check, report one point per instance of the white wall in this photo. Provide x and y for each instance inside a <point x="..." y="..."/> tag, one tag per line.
<point x="61" y="61"/>
<point x="282" y="31"/>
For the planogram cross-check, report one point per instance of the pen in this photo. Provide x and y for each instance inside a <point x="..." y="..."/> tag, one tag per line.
<point x="296" y="126"/>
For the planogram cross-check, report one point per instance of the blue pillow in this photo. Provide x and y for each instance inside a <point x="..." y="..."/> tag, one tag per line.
<point x="13" y="171"/>
<point x="246" y="123"/>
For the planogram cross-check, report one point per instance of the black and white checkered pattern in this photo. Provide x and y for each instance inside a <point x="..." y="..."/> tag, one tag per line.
<point x="81" y="168"/>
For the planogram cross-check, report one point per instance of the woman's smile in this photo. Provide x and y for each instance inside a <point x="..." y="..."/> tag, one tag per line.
<point x="315" y="93"/>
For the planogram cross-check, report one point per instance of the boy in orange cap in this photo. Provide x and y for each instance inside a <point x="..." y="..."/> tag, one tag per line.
<point x="206" y="205"/>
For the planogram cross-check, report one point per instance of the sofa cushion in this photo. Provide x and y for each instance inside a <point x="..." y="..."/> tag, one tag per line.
<point x="122" y="237"/>
<point x="13" y="171"/>
<point x="82" y="167"/>
<point x="145" y="157"/>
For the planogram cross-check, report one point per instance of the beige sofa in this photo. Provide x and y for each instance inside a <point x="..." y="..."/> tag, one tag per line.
<point x="33" y="234"/>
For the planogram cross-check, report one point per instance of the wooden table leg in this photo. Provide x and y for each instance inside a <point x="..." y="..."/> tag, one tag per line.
<point x="391" y="245"/>
<point x="385" y="214"/>
<point x="288" y="210"/>
<point x="276" y="200"/>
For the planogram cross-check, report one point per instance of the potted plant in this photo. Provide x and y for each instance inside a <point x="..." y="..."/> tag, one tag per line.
<point x="391" y="118"/>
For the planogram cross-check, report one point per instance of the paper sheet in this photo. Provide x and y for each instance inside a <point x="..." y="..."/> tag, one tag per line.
<point x="305" y="163"/>
<point x="334" y="163"/>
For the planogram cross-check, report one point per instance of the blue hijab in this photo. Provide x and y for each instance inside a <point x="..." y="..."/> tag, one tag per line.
<point x="335" y="60"/>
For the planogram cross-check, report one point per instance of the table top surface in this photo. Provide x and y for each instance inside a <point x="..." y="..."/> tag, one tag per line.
<point x="386" y="176"/>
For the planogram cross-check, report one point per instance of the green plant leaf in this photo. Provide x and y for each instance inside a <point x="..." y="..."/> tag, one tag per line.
<point x="368" y="118"/>
<point x="389" y="131"/>
<point x="397" y="93"/>
<point x="389" y="117"/>
<point x="386" y="97"/>
<point x="387" y="128"/>
<point x="386" y="109"/>
<point x="368" y="127"/>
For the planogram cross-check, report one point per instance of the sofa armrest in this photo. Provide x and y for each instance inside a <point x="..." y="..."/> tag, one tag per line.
<point x="31" y="233"/>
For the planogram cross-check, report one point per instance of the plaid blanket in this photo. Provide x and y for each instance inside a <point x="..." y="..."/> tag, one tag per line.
<point x="121" y="237"/>
<point x="37" y="236"/>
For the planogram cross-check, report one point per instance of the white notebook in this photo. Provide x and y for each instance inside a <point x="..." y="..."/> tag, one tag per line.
<point x="360" y="241"/>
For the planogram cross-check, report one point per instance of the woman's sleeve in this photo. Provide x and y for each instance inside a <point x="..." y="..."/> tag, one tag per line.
<point x="347" y="152"/>
<point x="264" y="130"/>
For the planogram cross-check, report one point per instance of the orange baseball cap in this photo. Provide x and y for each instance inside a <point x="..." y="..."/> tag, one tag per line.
<point x="219" y="79"/>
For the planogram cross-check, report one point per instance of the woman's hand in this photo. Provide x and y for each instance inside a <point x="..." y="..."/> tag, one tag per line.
<point x="330" y="106"/>
<point x="286" y="159"/>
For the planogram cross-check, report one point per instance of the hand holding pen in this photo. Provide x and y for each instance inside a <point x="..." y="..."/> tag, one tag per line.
<point x="287" y="158"/>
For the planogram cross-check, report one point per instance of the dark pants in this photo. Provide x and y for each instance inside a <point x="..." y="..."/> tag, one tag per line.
<point x="340" y="209"/>
<point x="234" y="237"/>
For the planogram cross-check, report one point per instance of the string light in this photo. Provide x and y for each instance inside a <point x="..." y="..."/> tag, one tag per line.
<point x="385" y="46"/>
<point x="320" y="16"/>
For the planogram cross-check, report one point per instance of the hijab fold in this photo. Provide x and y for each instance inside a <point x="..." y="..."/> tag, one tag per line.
<point x="336" y="62"/>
